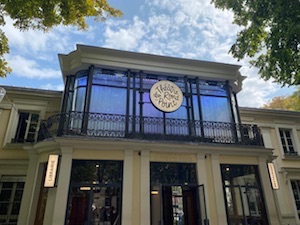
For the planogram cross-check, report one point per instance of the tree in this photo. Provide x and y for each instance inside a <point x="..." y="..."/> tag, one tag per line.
<point x="291" y="102"/>
<point x="270" y="35"/>
<point x="44" y="15"/>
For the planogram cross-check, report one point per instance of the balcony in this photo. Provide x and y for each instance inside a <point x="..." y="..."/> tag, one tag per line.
<point x="148" y="128"/>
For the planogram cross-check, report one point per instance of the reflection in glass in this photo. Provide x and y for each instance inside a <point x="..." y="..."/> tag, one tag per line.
<point x="96" y="193"/>
<point x="243" y="195"/>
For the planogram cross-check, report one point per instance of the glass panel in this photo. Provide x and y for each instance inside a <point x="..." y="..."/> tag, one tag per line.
<point x="81" y="78"/>
<point x="80" y="98"/>
<point x="215" y="109"/>
<point x="10" y="199"/>
<point x="94" y="206"/>
<point x="22" y="125"/>
<point x="173" y="173"/>
<point x="180" y="113"/>
<point x="109" y="78"/>
<point x="243" y="197"/>
<point x="78" y="207"/>
<point x="5" y="195"/>
<point x="108" y="100"/>
<point x="3" y="208"/>
<point x="95" y="196"/>
<point x="97" y="171"/>
<point x="296" y="190"/>
<point x="213" y="88"/>
<point x="149" y="109"/>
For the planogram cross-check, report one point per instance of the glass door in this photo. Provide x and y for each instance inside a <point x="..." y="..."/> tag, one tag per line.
<point x="174" y="205"/>
<point x="94" y="205"/>
<point x="95" y="193"/>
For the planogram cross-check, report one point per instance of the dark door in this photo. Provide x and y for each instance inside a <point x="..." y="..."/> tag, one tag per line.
<point x="94" y="205"/>
<point x="179" y="205"/>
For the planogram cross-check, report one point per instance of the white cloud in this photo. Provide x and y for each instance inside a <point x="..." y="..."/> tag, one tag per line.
<point x="124" y="38"/>
<point x="28" y="68"/>
<point x="183" y="28"/>
<point x="58" y="39"/>
<point x="49" y="86"/>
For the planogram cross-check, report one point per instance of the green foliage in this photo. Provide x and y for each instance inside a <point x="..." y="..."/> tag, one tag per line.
<point x="291" y="102"/>
<point x="270" y="35"/>
<point x="45" y="14"/>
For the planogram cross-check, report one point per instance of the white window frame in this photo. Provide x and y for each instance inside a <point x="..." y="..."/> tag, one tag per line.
<point x="28" y="122"/>
<point x="294" y="138"/>
<point x="36" y="107"/>
<point x="286" y="144"/>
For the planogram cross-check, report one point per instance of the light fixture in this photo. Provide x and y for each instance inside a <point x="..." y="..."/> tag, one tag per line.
<point x="154" y="192"/>
<point x="85" y="188"/>
<point x="2" y="93"/>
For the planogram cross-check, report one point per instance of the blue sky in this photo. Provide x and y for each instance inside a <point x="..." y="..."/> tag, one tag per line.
<point x="184" y="28"/>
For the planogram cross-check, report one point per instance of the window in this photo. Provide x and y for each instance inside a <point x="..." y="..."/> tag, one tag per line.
<point x="287" y="141"/>
<point x="296" y="191"/>
<point x="243" y="195"/>
<point x="174" y="194"/>
<point x="27" y="127"/>
<point x="95" y="193"/>
<point x="11" y="190"/>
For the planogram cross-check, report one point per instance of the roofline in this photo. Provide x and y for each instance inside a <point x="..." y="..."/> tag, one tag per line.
<point x="16" y="89"/>
<point x="278" y="112"/>
<point x="85" y="56"/>
<point x="149" y="55"/>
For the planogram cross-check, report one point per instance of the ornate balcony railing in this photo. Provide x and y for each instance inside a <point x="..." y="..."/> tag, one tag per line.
<point x="148" y="128"/>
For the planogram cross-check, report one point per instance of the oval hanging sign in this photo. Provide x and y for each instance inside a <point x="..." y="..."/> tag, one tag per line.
<point x="166" y="96"/>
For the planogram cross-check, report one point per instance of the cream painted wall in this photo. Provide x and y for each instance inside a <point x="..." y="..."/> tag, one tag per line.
<point x="136" y="202"/>
<point x="4" y="117"/>
<point x="89" y="154"/>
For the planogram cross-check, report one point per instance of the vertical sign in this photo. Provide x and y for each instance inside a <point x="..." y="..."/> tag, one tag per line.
<point x="51" y="171"/>
<point x="273" y="176"/>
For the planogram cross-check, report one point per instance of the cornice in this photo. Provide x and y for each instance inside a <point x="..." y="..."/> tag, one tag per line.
<point x="84" y="56"/>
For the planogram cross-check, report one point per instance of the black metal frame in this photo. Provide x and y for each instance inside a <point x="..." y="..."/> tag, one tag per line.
<point x="149" y="128"/>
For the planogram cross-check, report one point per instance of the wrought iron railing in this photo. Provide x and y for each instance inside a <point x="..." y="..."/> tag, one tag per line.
<point x="151" y="128"/>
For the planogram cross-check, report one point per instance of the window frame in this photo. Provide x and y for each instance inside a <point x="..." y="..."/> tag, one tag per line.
<point x="15" y="180"/>
<point x="38" y="107"/>
<point x="297" y="211"/>
<point x="286" y="145"/>
<point x="19" y="138"/>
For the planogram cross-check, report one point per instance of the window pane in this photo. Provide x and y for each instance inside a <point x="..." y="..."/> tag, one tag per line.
<point x="215" y="109"/>
<point x="108" y="100"/>
<point x="79" y="99"/>
<point x="97" y="171"/>
<point x="5" y="194"/>
<point x="173" y="173"/>
<point x="10" y="198"/>
<point x="287" y="141"/>
<point x="213" y="88"/>
<point x="3" y="208"/>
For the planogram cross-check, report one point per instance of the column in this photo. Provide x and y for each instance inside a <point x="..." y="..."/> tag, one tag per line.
<point x="202" y="178"/>
<point x="127" y="188"/>
<point x="62" y="189"/>
<point x="218" y="190"/>
<point x="145" y="187"/>
<point x="268" y="192"/>
<point x="27" y="212"/>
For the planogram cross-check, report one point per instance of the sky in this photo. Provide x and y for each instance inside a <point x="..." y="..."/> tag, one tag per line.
<point x="192" y="29"/>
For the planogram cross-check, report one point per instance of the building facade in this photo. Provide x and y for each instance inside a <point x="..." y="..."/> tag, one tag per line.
<point x="138" y="139"/>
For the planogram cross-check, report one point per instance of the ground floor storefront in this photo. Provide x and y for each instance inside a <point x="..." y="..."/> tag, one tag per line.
<point x="107" y="183"/>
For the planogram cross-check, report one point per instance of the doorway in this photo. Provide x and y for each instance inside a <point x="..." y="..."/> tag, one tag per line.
<point x="175" y="205"/>
<point x="175" y="195"/>
<point x="95" y="193"/>
<point x="94" y="206"/>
